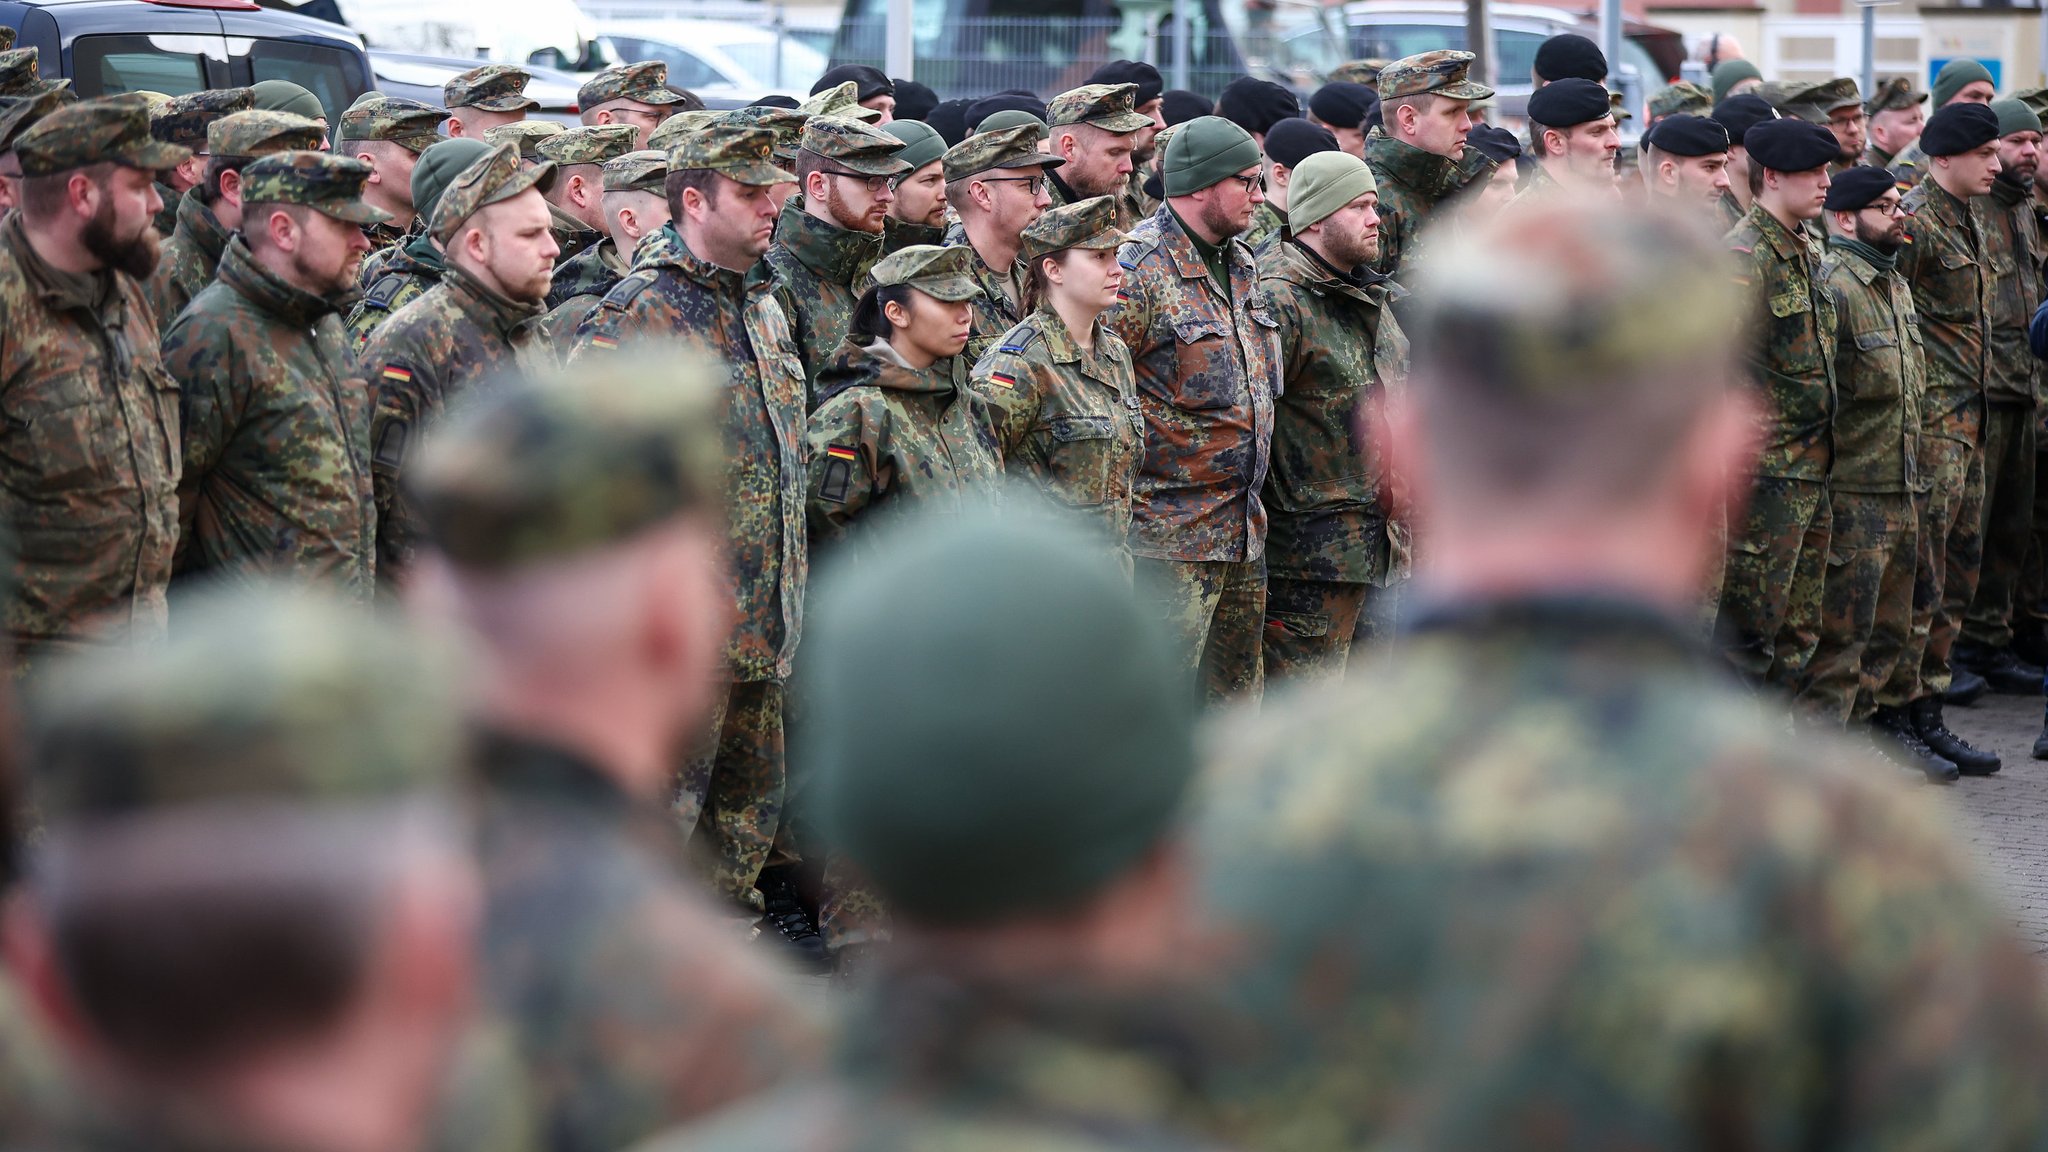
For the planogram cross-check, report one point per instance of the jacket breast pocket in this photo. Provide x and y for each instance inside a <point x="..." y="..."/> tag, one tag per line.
<point x="1207" y="375"/>
<point x="1951" y="294"/>
<point x="52" y="429"/>
<point x="1795" y="338"/>
<point x="1083" y="449"/>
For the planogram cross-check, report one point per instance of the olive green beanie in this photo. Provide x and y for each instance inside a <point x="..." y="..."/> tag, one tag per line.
<point x="437" y="168"/>
<point x="1206" y="151"/>
<point x="922" y="143"/>
<point x="1728" y="73"/>
<point x="285" y="96"/>
<point x="1954" y="77"/>
<point x="1324" y="183"/>
<point x="998" y="726"/>
<point x="2014" y="116"/>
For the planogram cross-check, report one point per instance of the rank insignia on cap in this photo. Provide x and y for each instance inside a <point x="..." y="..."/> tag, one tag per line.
<point x="841" y="452"/>
<point x="397" y="374"/>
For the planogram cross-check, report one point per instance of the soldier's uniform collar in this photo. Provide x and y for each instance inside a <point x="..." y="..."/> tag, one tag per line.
<point x="485" y="306"/>
<point x="836" y="255"/>
<point x="1425" y="172"/>
<point x="295" y="306"/>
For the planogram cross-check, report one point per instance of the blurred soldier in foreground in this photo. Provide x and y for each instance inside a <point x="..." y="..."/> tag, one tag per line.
<point x="251" y="917"/>
<point x="486" y="97"/>
<point x="577" y="537"/>
<point x="398" y="275"/>
<point x="1615" y="905"/>
<point x="1029" y="999"/>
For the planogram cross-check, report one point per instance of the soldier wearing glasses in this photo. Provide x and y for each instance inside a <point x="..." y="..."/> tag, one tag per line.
<point x="996" y="184"/>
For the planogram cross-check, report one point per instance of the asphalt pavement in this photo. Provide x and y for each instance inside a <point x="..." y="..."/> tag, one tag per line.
<point x="2005" y="816"/>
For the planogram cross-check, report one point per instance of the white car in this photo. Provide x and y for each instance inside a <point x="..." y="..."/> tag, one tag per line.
<point x="717" y="58"/>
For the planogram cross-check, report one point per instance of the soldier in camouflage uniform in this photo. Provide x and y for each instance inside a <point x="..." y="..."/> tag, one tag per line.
<point x="700" y="284"/>
<point x="953" y="776"/>
<point x="486" y="97"/>
<point x="1946" y="262"/>
<point x="1424" y="103"/>
<point x="1287" y="143"/>
<point x="18" y="116"/>
<point x="20" y="76"/>
<point x="1896" y="117"/>
<point x="1683" y="98"/>
<point x="1960" y="81"/>
<point x="276" y="435"/>
<point x="917" y="215"/>
<point x="401" y="274"/>
<point x="841" y="100"/>
<point x="1469" y="928"/>
<point x="1206" y="356"/>
<point x="1132" y="202"/>
<point x="388" y="133"/>
<point x="1572" y="124"/>
<point x="89" y="438"/>
<point x="996" y="187"/>
<point x="582" y="512"/>
<point x="828" y="235"/>
<point x="183" y="120"/>
<point x="1778" y="549"/>
<point x="469" y="330"/>
<point x="1095" y="129"/>
<point x="1060" y="384"/>
<point x="636" y="94"/>
<point x="636" y="204"/>
<point x="575" y="200"/>
<point x="1332" y="543"/>
<point x="210" y="213"/>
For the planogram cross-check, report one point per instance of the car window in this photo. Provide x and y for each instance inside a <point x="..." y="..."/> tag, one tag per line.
<point x="800" y="65"/>
<point x="106" y="64"/>
<point x="1515" y="49"/>
<point x="328" y="73"/>
<point x="685" y="69"/>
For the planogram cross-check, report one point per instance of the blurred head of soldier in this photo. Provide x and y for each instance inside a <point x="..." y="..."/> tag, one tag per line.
<point x="917" y="300"/>
<point x="637" y="94"/>
<point x="1685" y="158"/>
<point x="88" y="188"/>
<point x="1588" y="435"/>
<point x="577" y="541"/>
<point x="1095" y="129"/>
<point x="499" y="236"/>
<point x="579" y="155"/>
<point x="1863" y="205"/>
<point x="251" y="917"/>
<point x="720" y="193"/>
<point x="872" y="88"/>
<point x="1211" y="175"/>
<point x="1897" y="113"/>
<point x="1009" y="643"/>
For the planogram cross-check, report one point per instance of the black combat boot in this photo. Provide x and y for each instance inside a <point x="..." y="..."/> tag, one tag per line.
<point x="2002" y="669"/>
<point x="1895" y="732"/>
<point x="790" y="925"/>
<point x="2030" y="642"/>
<point x="1969" y="760"/>
<point x="1964" y="687"/>
<point x="2041" y="741"/>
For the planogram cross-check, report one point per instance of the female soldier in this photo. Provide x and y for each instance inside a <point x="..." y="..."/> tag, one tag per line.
<point x="1060" y="382"/>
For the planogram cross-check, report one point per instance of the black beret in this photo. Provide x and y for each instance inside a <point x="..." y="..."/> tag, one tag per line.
<point x="1150" y="83"/>
<point x="1858" y="187"/>
<point x="988" y="106"/>
<point x="1496" y="144"/>
<point x="1179" y="106"/>
<point x="1342" y="104"/>
<point x="1293" y="140"/>
<point x="775" y="100"/>
<point x="949" y="119"/>
<point x="870" y="79"/>
<point x="1256" y="105"/>
<point x="1570" y="55"/>
<point x="914" y="101"/>
<point x="1957" y="128"/>
<point x="1684" y="135"/>
<point x="1791" y="145"/>
<point x="1566" y="103"/>
<point x="1738" y="114"/>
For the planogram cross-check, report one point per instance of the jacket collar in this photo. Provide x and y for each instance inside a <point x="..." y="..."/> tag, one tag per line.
<point x="1298" y="263"/>
<point x="1425" y="172"/>
<point x="254" y="283"/>
<point x="92" y="292"/>
<point x="478" y="301"/>
<point x="198" y="223"/>
<point x="834" y="254"/>
<point x="1187" y="258"/>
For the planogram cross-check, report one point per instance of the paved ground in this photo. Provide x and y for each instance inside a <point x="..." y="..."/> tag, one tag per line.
<point x="2006" y="815"/>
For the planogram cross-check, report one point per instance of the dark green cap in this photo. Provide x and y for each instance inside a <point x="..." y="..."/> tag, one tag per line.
<point x="19" y="75"/>
<point x="1894" y="94"/>
<point x="998" y="724"/>
<point x="1003" y="148"/>
<point x="1684" y="98"/>
<point x="20" y="114"/>
<point x="408" y="123"/>
<point x="257" y="133"/>
<point x="285" y="96"/>
<point x="1206" y="151"/>
<point x="1088" y="224"/>
<point x="329" y="184"/>
<point x="1957" y="75"/>
<point x="645" y="82"/>
<point x="183" y="120"/>
<point x="526" y="136"/>
<point x="262" y="693"/>
<point x="496" y="176"/>
<point x="642" y="171"/>
<point x="558" y="465"/>
<point x="853" y="145"/>
<point x="922" y="143"/>
<point x="1728" y="73"/>
<point x="438" y="167"/>
<point x="491" y="87"/>
<point x="746" y="155"/>
<point x="1106" y="106"/>
<point x="2015" y="116"/>
<point x="94" y="131"/>
<point x="943" y="273"/>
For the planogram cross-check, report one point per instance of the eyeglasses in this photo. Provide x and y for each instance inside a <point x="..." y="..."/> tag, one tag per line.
<point x="1249" y="182"/>
<point x="1888" y="208"/>
<point x="874" y="183"/>
<point x="1032" y="184"/>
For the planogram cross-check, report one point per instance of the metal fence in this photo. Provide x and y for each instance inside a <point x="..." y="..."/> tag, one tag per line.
<point x="972" y="58"/>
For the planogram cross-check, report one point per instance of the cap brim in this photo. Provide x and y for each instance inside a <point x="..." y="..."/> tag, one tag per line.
<point x="756" y="173"/>
<point x="1464" y="90"/>
<point x="353" y="211"/>
<point x="418" y="143"/>
<point x="505" y="104"/>
<point x="156" y="156"/>
<point x="540" y="177"/>
<point x="655" y="96"/>
<point x="879" y="166"/>
<point x="952" y="290"/>
<point x="1123" y="122"/>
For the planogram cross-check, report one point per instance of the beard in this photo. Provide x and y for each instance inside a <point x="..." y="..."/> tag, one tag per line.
<point x="843" y="213"/>
<point x="326" y="282"/>
<point x="1882" y="239"/>
<point x="1220" y="223"/>
<point x="2021" y="178"/>
<point x="136" y="255"/>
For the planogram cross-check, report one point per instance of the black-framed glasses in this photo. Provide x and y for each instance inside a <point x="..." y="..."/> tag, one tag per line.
<point x="1032" y="184"/>
<point x="1893" y="208"/>
<point x="874" y="183"/>
<point x="1256" y="180"/>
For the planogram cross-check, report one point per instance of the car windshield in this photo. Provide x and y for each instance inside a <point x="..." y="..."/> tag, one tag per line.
<point x="1290" y="39"/>
<point x="800" y="64"/>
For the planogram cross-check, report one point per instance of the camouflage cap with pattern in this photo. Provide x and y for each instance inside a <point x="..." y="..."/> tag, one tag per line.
<point x="259" y="133"/>
<point x="2035" y="98"/>
<point x="105" y="128"/>
<point x="670" y="131"/>
<point x="1106" y="106"/>
<point x="1088" y="224"/>
<point x="491" y="87"/>
<point x="1004" y="148"/>
<point x="745" y="155"/>
<point x="497" y="176"/>
<point x="556" y="465"/>
<point x="18" y="115"/>
<point x="185" y="119"/>
<point x="1832" y="95"/>
<point x="589" y="144"/>
<point x="6" y="37"/>
<point x="1366" y="72"/>
<point x="642" y="171"/>
<point x="19" y="75"/>
<point x="265" y="693"/>
<point x="644" y="82"/>
<point x="853" y="146"/>
<point x="786" y="123"/>
<point x="1684" y="98"/>
<point x="409" y="124"/>
<point x="842" y="101"/>
<point x="1893" y="94"/>
<point x="943" y="273"/>
<point x="525" y="136"/>
<point x="329" y="184"/>
<point x="1442" y="72"/>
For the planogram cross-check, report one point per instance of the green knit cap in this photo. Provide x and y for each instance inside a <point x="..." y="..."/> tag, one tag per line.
<point x="1206" y="151"/>
<point x="1324" y="183"/>
<point x="2015" y="116"/>
<point x="1955" y="76"/>
<point x="1728" y="73"/>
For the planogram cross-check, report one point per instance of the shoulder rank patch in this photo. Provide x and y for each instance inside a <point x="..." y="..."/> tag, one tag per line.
<point x="838" y="477"/>
<point x="628" y="287"/>
<point x="382" y="290"/>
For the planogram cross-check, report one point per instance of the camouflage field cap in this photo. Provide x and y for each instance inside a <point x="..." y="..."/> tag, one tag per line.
<point x="6" y="37"/>
<point x="786" y="123"/>
<point x="1684" y="98"/>
<point x="185" y="119"/>
<point x="407" y="123"/>
<point x="1106" y="106"/>
<point x="561" y="464"/>
<point x="491" y="87"/>
<point x="1088" y="224"/>
<point x="1442" y="72"/>
<point x="940" y="273"/>
<point x="1832" y="96"/>
<point x="746" y="155"/>
<point x="19" y="75"/>
<point x="525" y="136"/>
<point x="1366" y="72"/>
<point x="670" y="131"/>
<point x="843" y="101"/>
<point x="642" y="171"/>
<point x="497" y="176"/>
<point x="93" y="131"/>
<point x="259" y="133"/>
<point x="1893" y="94"/>
<point x="1005" y="148"/>
<point x="2035" y="98"/>
<point x="18" y="115"/>
<point x="589" y="144"/>
<point x="261" y="694"/>
<point x="853" y="145"/>
<point x="644" y="82"/>
<point x="329" y="184"/>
